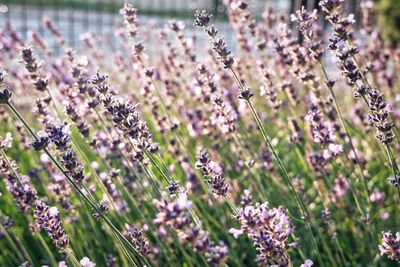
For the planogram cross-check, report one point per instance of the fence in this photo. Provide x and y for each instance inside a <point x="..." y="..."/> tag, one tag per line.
<point x="74" y="17"/>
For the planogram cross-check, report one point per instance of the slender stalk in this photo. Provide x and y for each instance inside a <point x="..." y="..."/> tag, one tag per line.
<point x="13" y="243"/>
<point x="72" y="257"/>
<point x="82" y="154"/>
<point x="339" y="112"/>
<point x="47" y="249"/>
<point x="72" y="182"/>
<point x="300" y="204"/>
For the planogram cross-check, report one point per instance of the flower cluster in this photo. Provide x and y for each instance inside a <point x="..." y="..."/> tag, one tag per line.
<point x="278" y="145"/>
<point x="306" y="21"/>
<point x="306" y="24"/>
<point x="5" y="93"/>
<point x="126" y="118"/>
<point x="58" y="133"/>
<point x="297" y="135"/>
<point x="202" y="20"/>
<point x="86" y="262"/>
<point x="6" y="142"/>
<point x="267" y="88"/>
<point x="270" y="229"/>
<point x="48" y="218"/>
<point x="176" y="215"/>
<point x="379" y="116"/>
<point x="339" y="189"/>
<point x="322" y="134"/>
<point x="390" y="245"/>
<point x="33" y="68"/>
<point x="130" y="19"/>
<point x="342" y="26"/>
<point x="222" y="112"/>
<point x="18" y="185"/>
<point x="212" y="175"/>
<point x="139" y="241"/>
<point x="349" y="68"/>
<point x="177" y="27"/>
<point x="53" y="29"/>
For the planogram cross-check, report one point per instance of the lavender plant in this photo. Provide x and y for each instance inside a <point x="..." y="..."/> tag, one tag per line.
<point x="100" y="153"/>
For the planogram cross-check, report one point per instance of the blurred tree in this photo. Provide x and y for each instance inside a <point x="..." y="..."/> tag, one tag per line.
<point x="389" y="19"/>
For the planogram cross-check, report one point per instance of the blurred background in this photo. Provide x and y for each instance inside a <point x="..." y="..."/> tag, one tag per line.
<point x="74" y="17"/>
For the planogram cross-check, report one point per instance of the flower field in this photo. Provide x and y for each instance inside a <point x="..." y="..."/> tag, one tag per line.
<point x="279" y="151"/>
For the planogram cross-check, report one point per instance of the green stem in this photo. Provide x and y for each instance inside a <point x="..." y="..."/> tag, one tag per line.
<point x="339" y="112"/>
<point x="299" y="202"/>
<point x="72" y="182"/>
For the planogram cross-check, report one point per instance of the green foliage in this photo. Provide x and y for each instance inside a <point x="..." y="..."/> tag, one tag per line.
<point x="389" y="19"/>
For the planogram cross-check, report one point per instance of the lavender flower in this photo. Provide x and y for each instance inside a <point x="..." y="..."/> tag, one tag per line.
<point x="174" y="214"/>
<point x="202" y="20"/>
<point x="48" y="218"/>
<point x="216" y="254"/>
<point x="341" y="25"/>
<point x="379" y="116"/>
<point x="367" y="21"/>
<point x="246" y="199"/>
<point x="390" y="245"/>
<point x="130" y="19"/>
<point x="126" y="118"/>
<point x="111" y="261"/>
<point x="7" y="223"/>
<point x="52" y="28"/>
<point x="17" y="184"/>
<point x="307" y="263"/>
<point x="140" y="241"/>
<point x="222" y="112"/>
<point x="212" y="175"/>
<point x="318" y="162"/>
<point x="177" y="27"/>
<point x="339" y="189"/>
<point x="33" y="68"/>
<point x="395" y="180"/>
<point x="173" y="188"/>
<point x="297" y="135"/>
<point x="5" y="95"/>
<point x="31" y="64"/>
<point x="306" y="24"/>
<point x="6" y="142"/>
<point x="246" y="94"/>
<point x="349" y="69"/>
<point x="269" y="228"/>
<point x="41" y="142"/>
<point x="305" y="19"/>
<point x="322" y="134"/>
<point x="59" y="135"/>
<point x="85" y="262"/>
